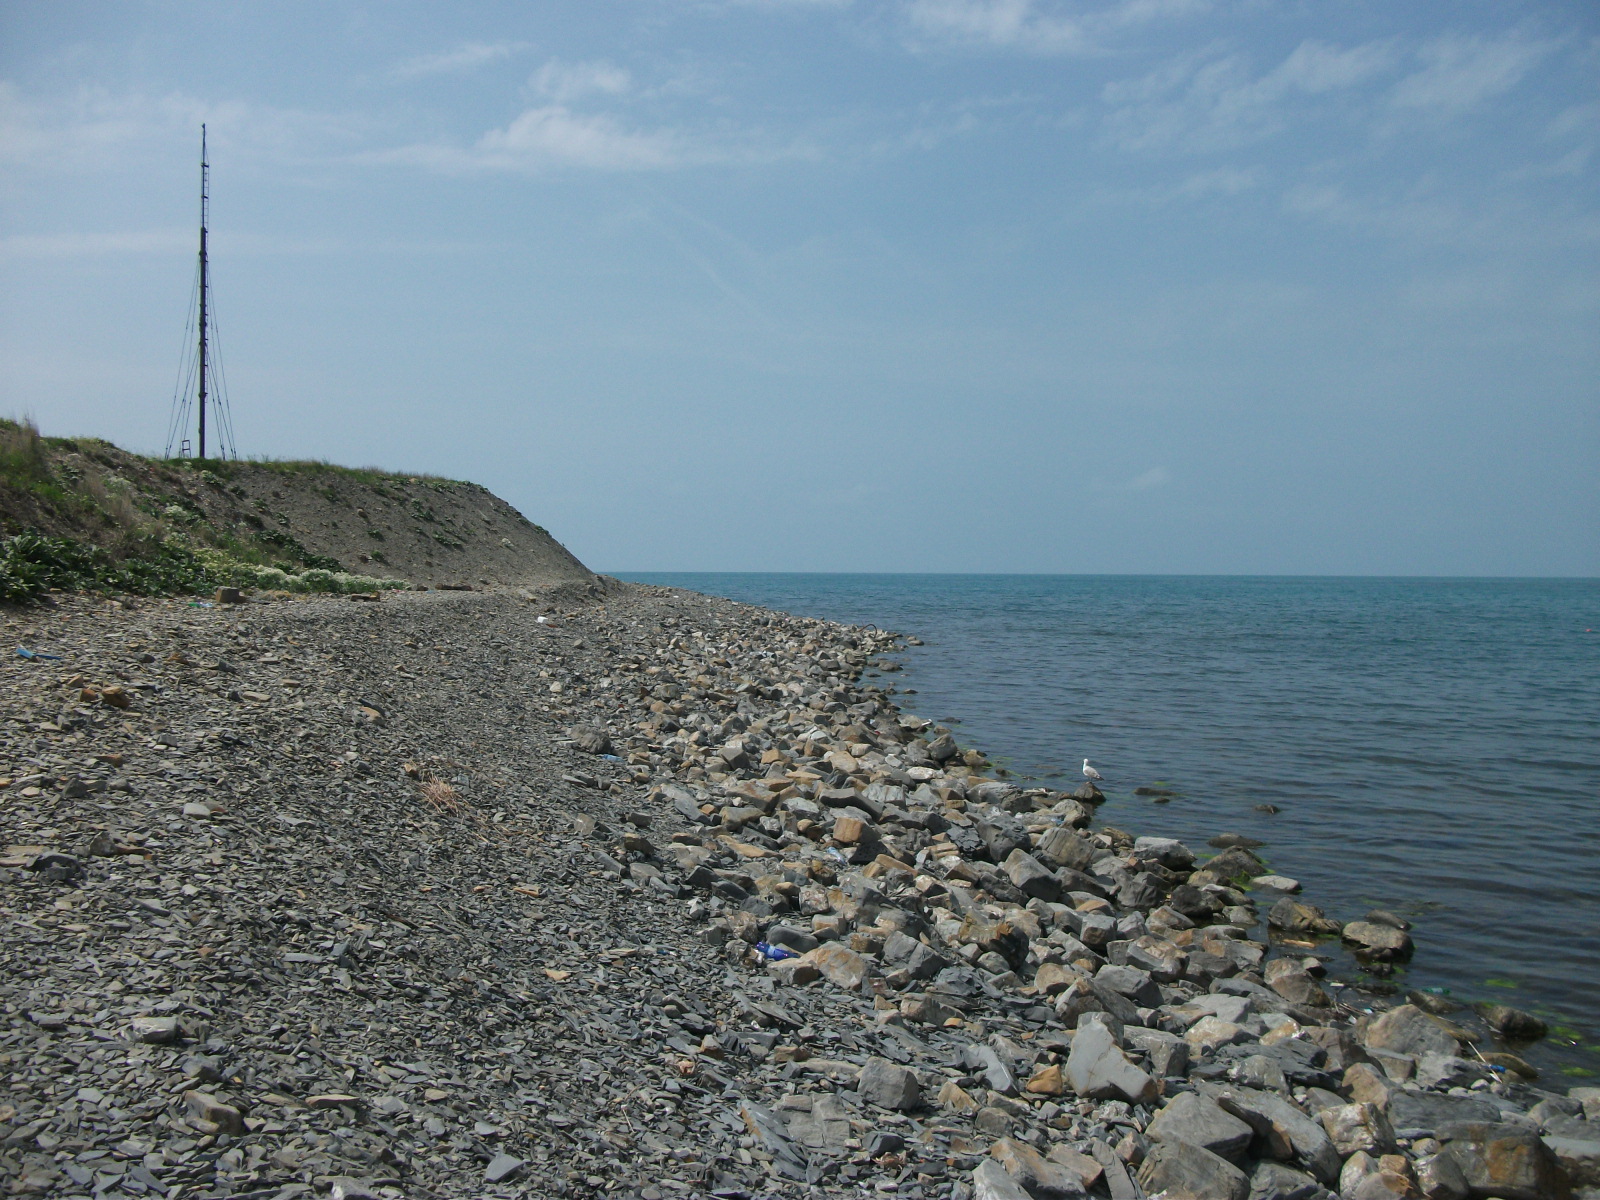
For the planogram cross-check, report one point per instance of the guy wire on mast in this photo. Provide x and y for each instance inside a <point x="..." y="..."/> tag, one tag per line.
<point x="200" y="374"/>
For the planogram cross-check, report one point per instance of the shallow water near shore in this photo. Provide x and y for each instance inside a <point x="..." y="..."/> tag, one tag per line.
<point x="1432" y="745"/>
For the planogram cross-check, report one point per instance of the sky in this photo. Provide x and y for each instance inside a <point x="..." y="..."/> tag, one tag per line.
<point x="1147" y="286"/>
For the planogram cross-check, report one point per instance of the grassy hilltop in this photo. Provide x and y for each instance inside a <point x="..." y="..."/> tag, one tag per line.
<point x="82" y="514"/>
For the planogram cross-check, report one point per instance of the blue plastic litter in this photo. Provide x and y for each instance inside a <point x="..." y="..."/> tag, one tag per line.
<point x="26" y="653"/>
<point x="611" y="757"/>
<point x="775" y="953"/>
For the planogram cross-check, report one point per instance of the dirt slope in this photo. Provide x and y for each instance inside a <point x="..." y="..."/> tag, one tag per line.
<point x="293" y="515"/>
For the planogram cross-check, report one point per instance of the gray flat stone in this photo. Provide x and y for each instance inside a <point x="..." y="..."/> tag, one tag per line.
<point x="1182" y="1171"/>
<point x="1194" y="1119"/>
<point x="1097" y="1067"/>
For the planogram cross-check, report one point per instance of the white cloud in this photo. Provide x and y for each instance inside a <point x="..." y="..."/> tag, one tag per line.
<point x="550" y="136"/>
<point x="565" y="82"/>
<point x="1460" y="73"/>
<point x="1211" y="100"/>
<point x="1033" y="28"/>
<point x="467" y="57"/>
<point x="554" y="134"/>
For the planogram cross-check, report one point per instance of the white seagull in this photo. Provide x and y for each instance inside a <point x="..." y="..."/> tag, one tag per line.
<point x="1090" y="773"/>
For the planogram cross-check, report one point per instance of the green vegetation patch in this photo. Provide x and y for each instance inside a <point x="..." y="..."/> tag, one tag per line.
<point x="32" y="563"/>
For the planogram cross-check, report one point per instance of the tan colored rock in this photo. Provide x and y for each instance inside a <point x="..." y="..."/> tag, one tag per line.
<point x="1209" y="1034"/>
<point x="1047" y="1081"/>
<point x="1080" y="1164"/>
<point x="841" y="966"/>
<point x="848" y="831"/>
<point x="955" y="1098"/>
<point x="1037" y="1174"/>
<point x="1365" y="1084"/>
<point x="208" y="1108"/>
<point x="1358" y="1127"/>
<point x="1055" y="977"/>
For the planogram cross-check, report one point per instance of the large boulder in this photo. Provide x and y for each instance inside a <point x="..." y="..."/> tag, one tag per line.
<point x="1062" y="847"/>
<point x="1508" y="1162"/>
<point x="1409" y="1030"/>
<point x="1180" y="1171"/>
<point x="1283" y="1132"/>
<point x="1577" y="1147"/>
<point x="1198" y="1121"/>
<point x="1030" y="877"/>
<point x="1274" y="1181"/>
<point x="1098" y="1068"/>
<point x="1422" y="1114"/>
<point x="1039" y="1177"/>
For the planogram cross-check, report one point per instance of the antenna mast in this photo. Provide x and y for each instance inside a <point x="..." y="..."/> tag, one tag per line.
<point x="205" y="207"/>
<point x="202" y="359"/>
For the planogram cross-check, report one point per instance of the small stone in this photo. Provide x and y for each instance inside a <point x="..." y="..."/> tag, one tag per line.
<point x="992" y="1120"/>
<point x="794" y="972"/>
<point x="1295" y="984"/>
<point x="842" y="966"/>
<point x="887" y="1085"/>
<point x="1055" y="977"/>
<point x="1367" y="1085"/>
<point x="1511" y="1022"/>
<point x="849" y="831"/>
<point x="1278" y="883"/>
<point x="1293" y="917"/>
<point x="157" y="1031"/>
<point x="331" y="1100"/>
<point x="1047" y="1081"/>
<point x="1029" y="876"/>
<point x="207" y="1107"/>
<point x="991" y="1182"/>
<point x="1209" y="1034"/>
<point x="1382" y="942"/>
<point x="1439" y="1177"/>
<point x="591" y="740"/>
<point x="502" y="1167"/>
<point x="955" y="1098"/>
<point x="1353" y="1127"/>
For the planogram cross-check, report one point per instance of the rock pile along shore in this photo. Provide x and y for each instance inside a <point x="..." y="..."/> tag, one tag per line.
<point x="651" y="896"/>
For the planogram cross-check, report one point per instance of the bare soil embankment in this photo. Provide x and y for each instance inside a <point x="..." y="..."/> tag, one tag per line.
<point x="292" y="516"/>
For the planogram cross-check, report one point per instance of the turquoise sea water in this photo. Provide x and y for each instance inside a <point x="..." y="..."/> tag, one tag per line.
<point x="1433" y="745"/>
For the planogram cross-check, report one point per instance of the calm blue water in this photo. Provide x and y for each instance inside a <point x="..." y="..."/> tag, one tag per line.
<point x="1433" y="745"/>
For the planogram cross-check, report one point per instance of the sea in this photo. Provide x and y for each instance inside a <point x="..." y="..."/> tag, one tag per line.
<point x="1428" y="746"/>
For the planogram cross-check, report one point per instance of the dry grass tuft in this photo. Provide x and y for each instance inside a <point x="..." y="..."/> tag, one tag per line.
<point x="441" y="796"/>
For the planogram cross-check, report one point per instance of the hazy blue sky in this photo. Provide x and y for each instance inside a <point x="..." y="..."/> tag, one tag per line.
<point x="988" y="285"/>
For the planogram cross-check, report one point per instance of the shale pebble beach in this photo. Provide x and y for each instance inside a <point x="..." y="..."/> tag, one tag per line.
<point x="612" y="889"/>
